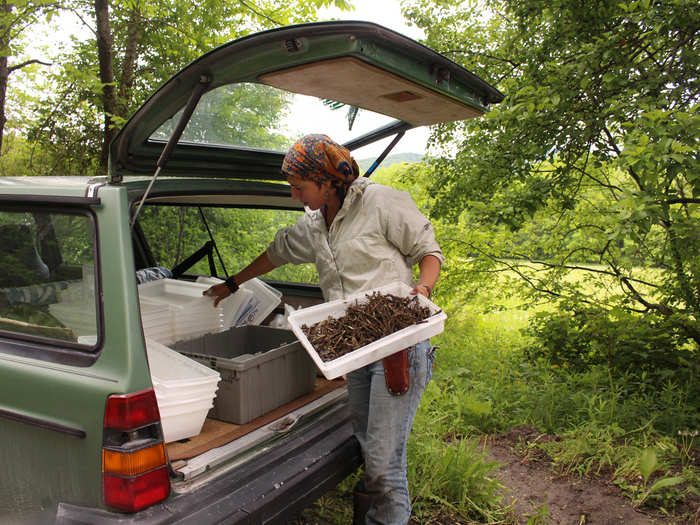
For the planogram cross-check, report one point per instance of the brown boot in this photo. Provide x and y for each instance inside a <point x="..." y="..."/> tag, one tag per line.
<point x="360" y="503"/>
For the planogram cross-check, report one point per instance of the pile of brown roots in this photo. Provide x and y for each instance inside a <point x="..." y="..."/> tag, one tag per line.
<point x="364" y="323"/>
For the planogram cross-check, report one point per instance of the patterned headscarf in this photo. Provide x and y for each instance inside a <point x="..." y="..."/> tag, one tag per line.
<point x="318" y="158"/>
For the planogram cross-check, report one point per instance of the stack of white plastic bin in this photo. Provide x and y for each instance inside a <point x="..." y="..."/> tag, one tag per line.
<point x="173" y="310"/>
<point x="185" y="391"/>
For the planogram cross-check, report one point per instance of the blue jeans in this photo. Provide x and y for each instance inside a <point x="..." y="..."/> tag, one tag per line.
<point x="382" y="422"/>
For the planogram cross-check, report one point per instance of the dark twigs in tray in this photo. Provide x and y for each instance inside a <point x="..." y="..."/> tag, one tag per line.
<point x="362" y="324"/>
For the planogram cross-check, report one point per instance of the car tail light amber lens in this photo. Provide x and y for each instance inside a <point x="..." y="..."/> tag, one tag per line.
<point x="133" y="463"/>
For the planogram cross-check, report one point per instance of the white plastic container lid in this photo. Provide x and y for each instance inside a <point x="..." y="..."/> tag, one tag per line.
<point x="251" y="304"/>
<point x="268" y="299"/>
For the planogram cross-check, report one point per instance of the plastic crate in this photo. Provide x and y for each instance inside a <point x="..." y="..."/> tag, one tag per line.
<point x="372" y="352"/>
<point x="261" y="368"/>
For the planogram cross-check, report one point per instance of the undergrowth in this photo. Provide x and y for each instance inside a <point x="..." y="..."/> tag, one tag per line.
<point x="485" y="382"/>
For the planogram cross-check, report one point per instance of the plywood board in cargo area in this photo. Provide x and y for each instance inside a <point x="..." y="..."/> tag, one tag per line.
<point x="218" y="433"/>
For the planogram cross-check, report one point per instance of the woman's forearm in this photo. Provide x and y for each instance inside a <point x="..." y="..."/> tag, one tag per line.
<point x="260" y="266"/>
<point x="429" y="272"/>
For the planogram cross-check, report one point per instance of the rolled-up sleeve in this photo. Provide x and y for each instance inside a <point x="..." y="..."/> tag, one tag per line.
<point x="292" y="244"/>
<point x="407" y="228"/>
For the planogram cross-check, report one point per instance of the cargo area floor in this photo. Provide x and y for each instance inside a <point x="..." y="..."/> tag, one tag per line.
<point x="217" y="433"/>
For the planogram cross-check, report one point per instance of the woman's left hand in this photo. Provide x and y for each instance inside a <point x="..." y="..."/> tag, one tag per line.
<point x="422" y="289"/>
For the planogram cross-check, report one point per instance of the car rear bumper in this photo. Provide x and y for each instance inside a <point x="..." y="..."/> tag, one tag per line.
<point x="271" y="488"/>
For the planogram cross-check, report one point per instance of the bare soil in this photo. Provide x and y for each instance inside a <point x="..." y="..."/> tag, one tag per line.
<point x="531" y="482"/>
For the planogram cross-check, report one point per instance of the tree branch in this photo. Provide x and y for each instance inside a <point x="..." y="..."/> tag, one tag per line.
<point x="25" y="64"/>
<point x="483" y="55"/>
<point x="83" y="21"/>
<point x="611" y="141"/>
<point x="680" y="201"/>
<point x="563" y="266"/>
<point x="258" y="13"/>
<point x="662" y="308"/>
<point x="601" y="183"/>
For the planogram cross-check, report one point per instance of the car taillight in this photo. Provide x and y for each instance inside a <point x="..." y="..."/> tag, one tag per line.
<point x="134" y="462"/>
<point x="131" y="411"/>
<point x="139" y="492"/>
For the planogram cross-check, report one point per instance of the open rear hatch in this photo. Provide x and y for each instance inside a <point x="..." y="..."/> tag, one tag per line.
<point x="357" y="64"/>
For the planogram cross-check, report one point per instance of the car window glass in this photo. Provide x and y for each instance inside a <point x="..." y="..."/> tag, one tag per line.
<point x="173" y="233"/>
<point x="47" y="283"/>
<point x="260" y="116"/>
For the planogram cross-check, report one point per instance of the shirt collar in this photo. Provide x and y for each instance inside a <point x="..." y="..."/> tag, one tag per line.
<point x="355" y="191"/>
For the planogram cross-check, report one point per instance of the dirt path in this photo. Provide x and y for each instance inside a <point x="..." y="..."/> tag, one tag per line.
<point x="531" y="484"/>
<point x="535" y="492"/>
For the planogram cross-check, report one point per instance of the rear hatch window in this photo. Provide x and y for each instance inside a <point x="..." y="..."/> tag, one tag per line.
<point x="252" y="115"/>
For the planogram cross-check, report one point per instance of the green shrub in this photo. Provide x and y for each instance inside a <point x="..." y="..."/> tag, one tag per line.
<point x="626" y="343"/>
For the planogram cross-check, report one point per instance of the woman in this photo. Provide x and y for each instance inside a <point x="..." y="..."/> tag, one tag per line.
<point x="360" y="235"/>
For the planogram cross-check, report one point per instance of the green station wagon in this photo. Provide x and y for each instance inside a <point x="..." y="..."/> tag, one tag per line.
<point x="193" y="191"/>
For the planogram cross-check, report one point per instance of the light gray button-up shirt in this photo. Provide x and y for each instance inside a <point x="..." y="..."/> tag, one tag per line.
<point x="375" y="239"/>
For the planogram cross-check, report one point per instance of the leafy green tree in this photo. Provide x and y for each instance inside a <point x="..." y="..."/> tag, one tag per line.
<point x="589" y="166"/>
<point x="137" y="46"/>
<point x="16" y="18"/>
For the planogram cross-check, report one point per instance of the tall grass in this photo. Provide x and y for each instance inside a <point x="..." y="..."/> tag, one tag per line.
<point x="483" y="383"/>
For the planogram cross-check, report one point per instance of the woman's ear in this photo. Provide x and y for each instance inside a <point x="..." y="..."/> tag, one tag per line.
<point x="327" y="188"/>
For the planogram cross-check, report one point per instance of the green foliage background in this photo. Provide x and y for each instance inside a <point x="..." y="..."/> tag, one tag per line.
<point x="56" y="115"/>
<point x="582" y="188"/>
<point x="240" y="234"/>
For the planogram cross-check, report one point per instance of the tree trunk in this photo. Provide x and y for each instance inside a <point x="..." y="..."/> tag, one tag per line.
<point x="4" y="73"/>
<point x="126" y="81"/>
<point x="109" y="94"/>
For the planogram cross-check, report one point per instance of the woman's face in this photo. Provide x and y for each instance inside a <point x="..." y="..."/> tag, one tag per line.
<point x="309" y="193"/>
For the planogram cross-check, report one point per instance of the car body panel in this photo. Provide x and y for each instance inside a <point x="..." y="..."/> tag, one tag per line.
<point x="293" y="476"/>
<point x="53" y="397"/>
<point x="59" y="399"/>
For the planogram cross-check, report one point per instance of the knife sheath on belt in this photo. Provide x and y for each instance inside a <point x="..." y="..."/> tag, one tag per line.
<point x="396" y="372"/>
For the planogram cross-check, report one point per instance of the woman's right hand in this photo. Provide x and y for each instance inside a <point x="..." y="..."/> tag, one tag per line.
<point x="218" y="292"/>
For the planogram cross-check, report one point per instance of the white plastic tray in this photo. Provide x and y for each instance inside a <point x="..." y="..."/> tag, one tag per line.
<point x="174" y="373"/>
<point x="250" y="305"/>
<point x="172" y="292"/>
<point x="372" y="352"/>
<point x="184" y="420"/>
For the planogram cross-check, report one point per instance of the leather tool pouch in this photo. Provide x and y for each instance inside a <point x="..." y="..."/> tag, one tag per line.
<point x="396" y="372"/>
